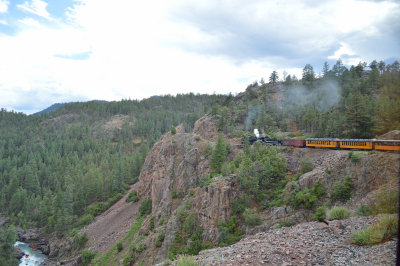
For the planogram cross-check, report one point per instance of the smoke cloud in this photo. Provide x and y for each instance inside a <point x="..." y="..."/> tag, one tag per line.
<point x="325" y="96"/>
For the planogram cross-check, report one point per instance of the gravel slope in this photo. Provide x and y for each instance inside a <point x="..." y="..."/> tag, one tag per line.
<point x="110" y="227"/>
<point x="310" y="243"/>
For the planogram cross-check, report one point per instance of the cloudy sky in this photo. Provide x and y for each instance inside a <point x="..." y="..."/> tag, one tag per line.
<point x="76" y="50"/>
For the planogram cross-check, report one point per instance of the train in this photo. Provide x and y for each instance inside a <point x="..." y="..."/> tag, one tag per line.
<point x="331" y="143"/>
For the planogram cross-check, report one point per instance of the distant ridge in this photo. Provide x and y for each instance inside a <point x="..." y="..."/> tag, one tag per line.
<point x="50" y="109"/>
<point x="55" y="106"/>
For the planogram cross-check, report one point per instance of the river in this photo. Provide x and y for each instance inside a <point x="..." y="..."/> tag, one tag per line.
<point x="35" y="256"/>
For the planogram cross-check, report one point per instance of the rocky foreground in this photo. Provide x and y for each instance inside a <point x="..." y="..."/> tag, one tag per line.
<point x="310" y="243"/>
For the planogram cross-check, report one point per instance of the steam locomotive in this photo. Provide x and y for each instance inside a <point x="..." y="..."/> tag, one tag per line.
<point x="333" y="143"/>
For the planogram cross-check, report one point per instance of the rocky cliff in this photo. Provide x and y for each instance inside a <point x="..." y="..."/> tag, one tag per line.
<point x="175" y="165"/>
<point x="171" y="176"/>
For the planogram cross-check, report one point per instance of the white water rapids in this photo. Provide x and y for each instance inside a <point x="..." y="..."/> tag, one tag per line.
<point x="35" y="256"/>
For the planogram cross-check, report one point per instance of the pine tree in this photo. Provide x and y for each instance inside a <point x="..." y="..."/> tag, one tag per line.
<point x="218" y="155"/>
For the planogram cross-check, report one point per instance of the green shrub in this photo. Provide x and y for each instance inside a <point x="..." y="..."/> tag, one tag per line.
<point x="151" y="223"/>
<point x="129" y="259"/>
<point x="142" y="247"/>
<point x="145" y="207"/>
<point x="86" y="219"/>
<point x="342" y="190"/>
<point x="320" y="213"/>
<point x="229" y="233"/>
<point x="205" y="181"/>
<point x="185" y="260"/>
<point x="364" y="210"/>
<point x="191" y="192"/>
<point x="385" y="229"/>
<point x="160" y="239"/>
<point x="338" y="213"/>
<point x="189" y="226"/>
<point x="251" y="217"/>
<point x="161" y="222"/>
<point x="87" y="256"/>
<point x="239" y="205"/>
<point x="97" y="208"/>
<point x="173" y="130"/>
<point x="133" y="197"/>
<point x="387" y="202"/>
<point x="306" y="165"/>
<point x="197" y="138"/>
<point x="285" y="224"/>
<point x="307" y="197"/>
<point x="354" y="157"/>
<point x="296" y="176"/>
<point x="119" y="246"/>
<point x="177" y="193"/>
<point x="80" y="240"/>
<point x="114" y="199"/>
<point x="328" y="170"/>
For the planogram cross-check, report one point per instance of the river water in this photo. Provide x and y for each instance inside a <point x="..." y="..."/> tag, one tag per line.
<point x="35" y="256"/>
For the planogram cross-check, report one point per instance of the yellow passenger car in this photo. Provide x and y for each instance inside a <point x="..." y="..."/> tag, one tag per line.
<point x="387" y="145"/>
<point x="323" y="143"/>
<point x="363" y="144"/>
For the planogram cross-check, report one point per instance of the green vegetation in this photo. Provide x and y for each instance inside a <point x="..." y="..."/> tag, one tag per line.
<point x="383" y="230"/>
<point x="87" y="256"/>
<point x="160" y="239"/>
<point x="251" y="217"/>
<point x="145" y="207"/>
<point x="355" y="157"/>
<point x="364" y="210"/>
<point x="320" y="213"/>
<point x="306" y="165"/>
<point x="119" y="246"/>
<point x="177" y="193"/>
<point x="80" y="240"/>
<point x="338" y="213"/>
<point x="219" y="154"/>
<point x="308" y="197"/>
<point x="133" y="197"/>
<point x="151" y="223"/>
<point x="342" y="190"/>
<point x="185" y="260"/>
<point x="8" y="236"/>
<point x="284" y="224"/>
<point x="205" y="180"/>
<point x="229" y="232"/>
<point x="54" y="166"/>
<point x="387" y="202"/>
<point x="173" y="130"/>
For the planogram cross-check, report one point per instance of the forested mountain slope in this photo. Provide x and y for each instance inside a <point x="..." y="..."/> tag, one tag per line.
<point x="60" y="170"/>
<point x="54" y="165"/>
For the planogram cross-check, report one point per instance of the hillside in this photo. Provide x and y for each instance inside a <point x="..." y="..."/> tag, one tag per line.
<point x="172" y="177"/>
<point x="192" y="183"/>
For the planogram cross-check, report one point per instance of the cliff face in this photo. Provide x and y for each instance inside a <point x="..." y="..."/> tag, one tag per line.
<point x="174" y="166"/>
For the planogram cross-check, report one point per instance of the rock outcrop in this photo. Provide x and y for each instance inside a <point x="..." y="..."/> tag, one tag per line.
<point x="176" y="163"/>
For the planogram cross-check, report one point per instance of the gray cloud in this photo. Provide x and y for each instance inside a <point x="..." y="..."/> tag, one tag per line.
<point x="281" y="34"/>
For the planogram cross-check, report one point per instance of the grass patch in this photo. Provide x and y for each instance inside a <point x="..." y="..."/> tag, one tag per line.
<point x="284" y="224"/>
<point x="387" y="202"/>
<point x="383" y="230"/>
<point x="364" y="210"/>
<point x="339" y="213"/>
<point x="185" y="260"/>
